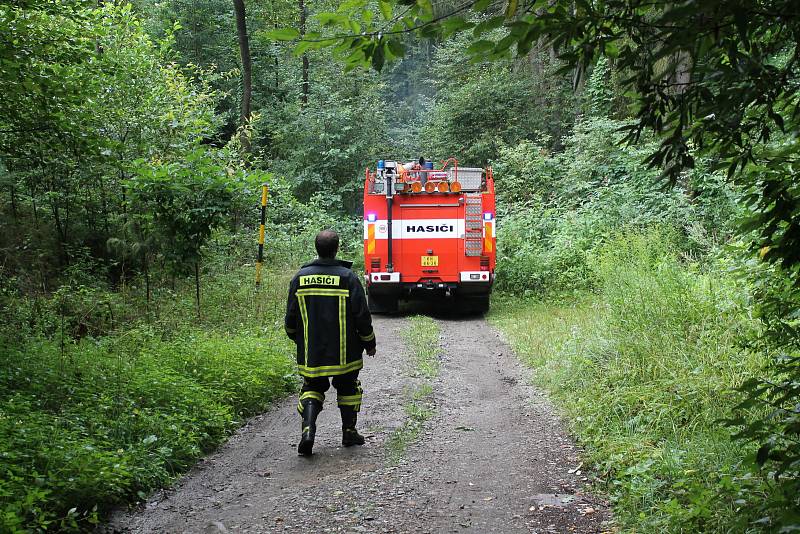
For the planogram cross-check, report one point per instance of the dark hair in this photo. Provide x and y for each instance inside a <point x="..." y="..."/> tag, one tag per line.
<point x="327" y="244"/>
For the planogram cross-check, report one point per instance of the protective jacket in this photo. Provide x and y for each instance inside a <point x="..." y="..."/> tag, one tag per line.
<point x="328" y="319"/>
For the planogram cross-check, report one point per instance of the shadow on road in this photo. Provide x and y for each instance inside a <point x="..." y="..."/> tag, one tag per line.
<point x="445" y="310"/>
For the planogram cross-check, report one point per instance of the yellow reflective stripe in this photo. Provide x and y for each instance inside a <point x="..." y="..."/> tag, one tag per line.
<point x="304" y="316"/>
<point x="349" y="400"/>
<point x="370" y="337"/>
<point x="321" y="292"/>
<point x="342" y="330"/>
<point x="330" y="370"/>
<point x="370" y="239"/>
<point x="316" y="395"/>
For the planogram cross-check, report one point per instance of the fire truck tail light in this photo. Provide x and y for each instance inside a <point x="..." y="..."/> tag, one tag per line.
<point x="455" y="187"/>
<point x="375" y="278"/>
<point x="443" y="187"/>
<point x="430" y="187"/>
<point x="484" y="276"/>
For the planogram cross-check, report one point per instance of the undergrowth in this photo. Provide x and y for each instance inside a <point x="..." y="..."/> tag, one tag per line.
<point x="92" y="422"/>
<point x="645" y="370"/>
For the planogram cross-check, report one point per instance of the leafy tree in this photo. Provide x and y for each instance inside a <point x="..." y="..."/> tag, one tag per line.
<point x="186" y="199"/>
<point x="714" y="79"/>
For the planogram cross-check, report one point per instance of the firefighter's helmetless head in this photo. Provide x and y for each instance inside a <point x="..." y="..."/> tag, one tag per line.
<point x="327" y="244"/>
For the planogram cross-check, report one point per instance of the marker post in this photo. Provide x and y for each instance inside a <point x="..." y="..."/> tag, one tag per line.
<point x="261" y="233"/>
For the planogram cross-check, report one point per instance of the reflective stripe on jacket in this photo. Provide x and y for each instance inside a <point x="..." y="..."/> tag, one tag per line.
<point x="328" y="319"/>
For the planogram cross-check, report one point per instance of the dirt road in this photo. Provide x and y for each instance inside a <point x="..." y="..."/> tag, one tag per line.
<point x="492" y="457"/>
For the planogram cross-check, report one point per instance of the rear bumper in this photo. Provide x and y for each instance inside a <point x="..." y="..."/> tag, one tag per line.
<point x="430" y="288"/>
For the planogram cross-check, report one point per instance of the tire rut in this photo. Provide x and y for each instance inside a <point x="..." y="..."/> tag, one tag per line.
<point x="493" y="458"/>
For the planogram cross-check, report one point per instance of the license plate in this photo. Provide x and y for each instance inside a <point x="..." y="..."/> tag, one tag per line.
<point x="430" y="261"/>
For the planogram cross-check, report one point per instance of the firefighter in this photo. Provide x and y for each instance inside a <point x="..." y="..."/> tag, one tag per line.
<point x="328" y="319"/>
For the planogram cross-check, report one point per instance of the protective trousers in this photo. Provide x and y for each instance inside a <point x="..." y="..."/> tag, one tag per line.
<point x="348" y="390"/>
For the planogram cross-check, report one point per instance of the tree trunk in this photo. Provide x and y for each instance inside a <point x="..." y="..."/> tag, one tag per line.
<point x="247" y="70"/>
<point x="61" y="231"/>
<point x="14" y="202"/>
<point x="683" y="72"/>
<point x="197" y="287"/>
<point x="304" y="94"/>
<point x="35" y="211"/>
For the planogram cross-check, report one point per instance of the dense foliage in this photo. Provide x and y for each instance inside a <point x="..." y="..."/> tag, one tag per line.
<point x="713" y="80"/>
<point x="129" y="177"/>
<point x="644" y="368"/>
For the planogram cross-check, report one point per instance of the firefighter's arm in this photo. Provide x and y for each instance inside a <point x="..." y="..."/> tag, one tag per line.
<point x="292" y="311"/>
<point x="362" y="316"/>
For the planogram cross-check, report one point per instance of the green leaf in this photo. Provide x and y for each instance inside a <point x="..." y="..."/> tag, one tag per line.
<point x="378" y="57"/>
<point x="282" y="34"/>
<point x="386" y="9"/>
<point x="333" y="19"/>
<point x="455" y="24"/>
<point x="479" y="47"/>
<point x="511" y="8"/>
<point x="396" y="48"/>
<point x="488" y="25"/>
<point x="426" y="7"/>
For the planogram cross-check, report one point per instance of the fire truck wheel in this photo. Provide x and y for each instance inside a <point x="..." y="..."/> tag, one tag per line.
<point x="382" y="304"/>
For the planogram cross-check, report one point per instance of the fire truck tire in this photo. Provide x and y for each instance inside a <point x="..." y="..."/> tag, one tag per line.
<point x="382" y="303"/>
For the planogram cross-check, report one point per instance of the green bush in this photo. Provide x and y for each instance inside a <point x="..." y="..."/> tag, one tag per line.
<point x="555" y="211"/>
<point x="107" y="420"/>
<point x="646" y="370"/>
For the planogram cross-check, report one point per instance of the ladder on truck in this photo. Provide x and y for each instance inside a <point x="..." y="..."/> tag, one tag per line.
<point x="473" y="228"/>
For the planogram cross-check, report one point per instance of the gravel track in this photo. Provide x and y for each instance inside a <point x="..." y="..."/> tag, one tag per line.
<point x="494" y="457"/>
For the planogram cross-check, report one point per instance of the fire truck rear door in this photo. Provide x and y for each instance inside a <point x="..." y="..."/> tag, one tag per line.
<point x="431" y="241"/>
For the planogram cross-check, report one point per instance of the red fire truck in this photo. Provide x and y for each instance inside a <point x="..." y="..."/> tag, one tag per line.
<point x="429" y="232"/>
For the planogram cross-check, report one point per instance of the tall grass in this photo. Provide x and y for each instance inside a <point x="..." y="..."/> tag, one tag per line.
<point x="645" y="370"/>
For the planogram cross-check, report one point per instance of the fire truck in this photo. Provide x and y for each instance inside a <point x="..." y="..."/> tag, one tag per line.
<point x="429" y="233"/>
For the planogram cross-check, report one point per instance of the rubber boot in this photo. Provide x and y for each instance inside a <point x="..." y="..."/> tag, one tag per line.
<point x="350" y="435"/>
<point x="311" y="409"/>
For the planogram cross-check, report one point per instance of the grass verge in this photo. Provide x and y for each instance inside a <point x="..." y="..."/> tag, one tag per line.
<point x="644" y="370"/>
<point x="90" y="424"/>
<point x="422" y="337"/>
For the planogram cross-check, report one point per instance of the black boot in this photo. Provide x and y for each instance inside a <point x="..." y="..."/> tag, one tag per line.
<point x="350" y="435"/>
<point x="311" y="409"/>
